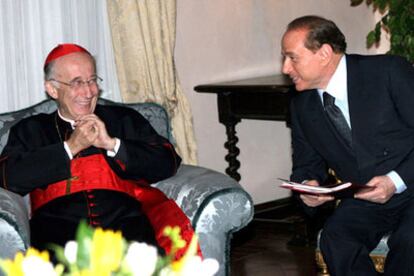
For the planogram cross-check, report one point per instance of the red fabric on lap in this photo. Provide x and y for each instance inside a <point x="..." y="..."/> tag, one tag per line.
<point x="93" y="172"/>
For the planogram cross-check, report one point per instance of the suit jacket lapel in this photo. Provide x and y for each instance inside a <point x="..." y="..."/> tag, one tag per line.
<point x="316" y="112"/>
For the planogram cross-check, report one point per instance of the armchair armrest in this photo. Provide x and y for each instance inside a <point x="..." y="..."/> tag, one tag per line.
<point x="14" y="224"/>
<point x="215" y="203"/>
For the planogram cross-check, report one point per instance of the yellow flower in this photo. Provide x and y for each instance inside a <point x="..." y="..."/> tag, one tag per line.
<point x="44" y="255"/>
<point x="191" y="251"/>
<point x="14" y="267"/>
<point x="107" y="250"/>
<point x="174" y="234"/>
<point x="106" y="253"/>
<point x="23" y="262"/>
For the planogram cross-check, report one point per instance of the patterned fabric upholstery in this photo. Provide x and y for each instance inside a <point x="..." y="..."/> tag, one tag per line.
<point x="216" y="204"/>
<point x="382" y="247"/>
<point x="14" y="224"/>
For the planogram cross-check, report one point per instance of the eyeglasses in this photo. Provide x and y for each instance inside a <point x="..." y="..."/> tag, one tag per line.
<point x="78" y="83"/>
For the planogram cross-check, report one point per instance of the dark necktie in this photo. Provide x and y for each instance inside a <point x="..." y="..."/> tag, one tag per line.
<point x="336" y="117"/>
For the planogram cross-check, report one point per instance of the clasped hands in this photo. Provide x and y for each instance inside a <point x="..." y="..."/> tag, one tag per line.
<point x="89" y="131"/>
<point x="383" y="190"/>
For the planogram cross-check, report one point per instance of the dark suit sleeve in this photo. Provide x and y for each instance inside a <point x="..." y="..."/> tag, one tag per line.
<point x="307" y="164"/>
<point x="143" y="154"/>
<point x="400" y="80"/>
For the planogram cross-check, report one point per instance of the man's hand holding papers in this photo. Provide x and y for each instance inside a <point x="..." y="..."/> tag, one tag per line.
<point x="327" y="193"/>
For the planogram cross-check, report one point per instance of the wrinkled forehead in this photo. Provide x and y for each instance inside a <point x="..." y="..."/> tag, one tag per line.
<point x="295" y="35"/>
<point x="293" y="39"/>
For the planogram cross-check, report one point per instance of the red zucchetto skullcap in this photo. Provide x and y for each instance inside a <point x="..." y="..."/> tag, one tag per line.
<point x="63" y="50"/>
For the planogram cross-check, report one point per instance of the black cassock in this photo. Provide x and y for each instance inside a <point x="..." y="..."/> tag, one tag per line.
<point x="35" y="157"/>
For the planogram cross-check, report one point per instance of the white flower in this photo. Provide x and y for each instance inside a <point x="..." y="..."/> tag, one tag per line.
<point x="71" y="250"/>
<point x="141" y="259"/>
<point x="209" y="267"/>
<point x="35" y="266"/>
<point x="194" y="265"/>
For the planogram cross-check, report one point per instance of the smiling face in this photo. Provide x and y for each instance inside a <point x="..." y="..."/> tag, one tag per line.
<point x="73" y="102"/>
<point x="306" y="68"/>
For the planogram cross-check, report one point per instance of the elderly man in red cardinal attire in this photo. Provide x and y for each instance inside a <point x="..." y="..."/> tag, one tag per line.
<point x="89" y="162"/>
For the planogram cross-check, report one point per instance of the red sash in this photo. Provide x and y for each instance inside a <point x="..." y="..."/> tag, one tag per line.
<point x="93" y="172"/>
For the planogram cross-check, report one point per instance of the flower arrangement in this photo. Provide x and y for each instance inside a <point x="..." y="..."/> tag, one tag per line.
<point x="105" y="252"/>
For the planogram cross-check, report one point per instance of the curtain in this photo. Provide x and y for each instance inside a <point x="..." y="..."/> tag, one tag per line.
<point x="29" y="29"/>
<point x="143" y="37"/>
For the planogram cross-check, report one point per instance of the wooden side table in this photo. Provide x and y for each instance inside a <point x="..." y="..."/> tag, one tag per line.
<point x="261" y="98"/>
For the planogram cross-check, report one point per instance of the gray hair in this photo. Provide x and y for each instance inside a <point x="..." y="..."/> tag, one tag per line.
<point x="320" y="31"/>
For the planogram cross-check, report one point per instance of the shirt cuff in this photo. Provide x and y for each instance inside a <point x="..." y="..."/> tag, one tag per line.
<point x="67" y="149"/>
<point x="398" y="182"/>
<point x="112" y="153"/>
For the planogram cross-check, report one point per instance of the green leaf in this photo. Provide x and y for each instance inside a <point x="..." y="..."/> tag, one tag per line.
<point x="356" y="2"/>
<point x="59" y="253"/>
<point x="378" y="32"/>
<point x="398" y="21"/>
<point x="370" y="39"/>
<point x="384" y="19"/>
<point x="84" y="236"/>
<point x="382" y="4"/>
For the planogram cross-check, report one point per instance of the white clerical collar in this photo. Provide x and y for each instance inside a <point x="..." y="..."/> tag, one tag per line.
<point x="337" y="85"/>
<point x="71" y="122"/>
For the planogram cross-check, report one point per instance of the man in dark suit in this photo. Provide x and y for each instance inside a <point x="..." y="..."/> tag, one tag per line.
<point x="369" y="139"/>
<point x="89" y="162"/>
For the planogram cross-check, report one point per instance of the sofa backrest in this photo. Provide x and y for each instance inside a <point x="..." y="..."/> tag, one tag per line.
<point x="154" y="113"/>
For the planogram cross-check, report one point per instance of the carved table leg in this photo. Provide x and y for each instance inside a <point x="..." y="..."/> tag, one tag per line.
<point x="233" y="151"/>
